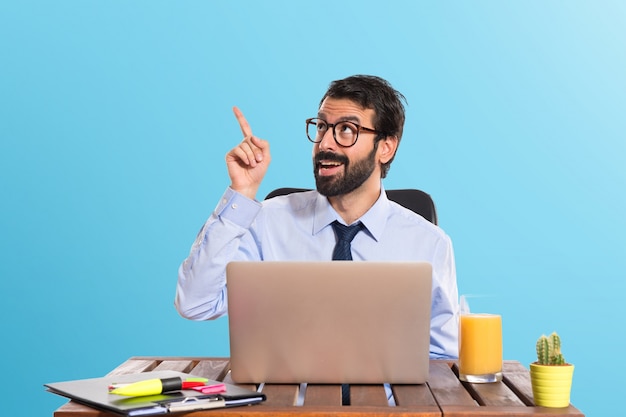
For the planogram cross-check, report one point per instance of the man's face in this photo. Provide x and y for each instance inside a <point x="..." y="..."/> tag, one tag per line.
<point x="339" y="170"/>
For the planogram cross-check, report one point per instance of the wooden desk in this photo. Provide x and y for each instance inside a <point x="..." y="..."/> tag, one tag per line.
<point x="443" y="395"/>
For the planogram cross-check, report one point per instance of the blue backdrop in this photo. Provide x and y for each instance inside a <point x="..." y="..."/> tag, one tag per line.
<point x="115" y="117"/>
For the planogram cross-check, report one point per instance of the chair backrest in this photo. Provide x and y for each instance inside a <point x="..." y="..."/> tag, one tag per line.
<point x="415" y="200"/>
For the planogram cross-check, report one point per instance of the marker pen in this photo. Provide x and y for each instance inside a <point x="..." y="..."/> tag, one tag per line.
<point x="155" y="386"/>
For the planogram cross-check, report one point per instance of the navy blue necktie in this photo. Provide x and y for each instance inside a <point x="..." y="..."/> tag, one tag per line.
<point x="343" y="252"/>
<point x="345" y="234"/>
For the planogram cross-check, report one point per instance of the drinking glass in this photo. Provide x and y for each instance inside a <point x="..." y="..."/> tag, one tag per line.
<point x="480" y="345"/>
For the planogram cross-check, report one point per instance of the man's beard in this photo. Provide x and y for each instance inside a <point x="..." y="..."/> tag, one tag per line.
<point x="353" y="176"/>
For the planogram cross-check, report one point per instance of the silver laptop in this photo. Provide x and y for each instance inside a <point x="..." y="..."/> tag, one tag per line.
<point x="329" y="322"/>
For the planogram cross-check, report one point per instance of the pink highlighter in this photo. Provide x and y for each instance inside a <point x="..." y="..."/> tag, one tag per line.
<point x="211" y="389"/>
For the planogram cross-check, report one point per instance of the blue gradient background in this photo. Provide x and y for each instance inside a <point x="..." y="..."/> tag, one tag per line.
<point x="115" y="117"/>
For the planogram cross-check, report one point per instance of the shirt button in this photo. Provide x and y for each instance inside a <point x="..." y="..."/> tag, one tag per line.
<point x="233" y="206"/>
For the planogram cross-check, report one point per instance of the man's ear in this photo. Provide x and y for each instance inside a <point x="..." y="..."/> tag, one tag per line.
<point x="387" y="148"/>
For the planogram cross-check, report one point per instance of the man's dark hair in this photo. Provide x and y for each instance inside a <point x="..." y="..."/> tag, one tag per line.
<point x="375" y="93"/>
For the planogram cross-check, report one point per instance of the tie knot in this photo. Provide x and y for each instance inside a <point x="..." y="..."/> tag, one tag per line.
<point x="346" y="233"/>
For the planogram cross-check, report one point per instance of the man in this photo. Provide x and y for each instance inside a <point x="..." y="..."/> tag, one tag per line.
<point x="356" y="134"/>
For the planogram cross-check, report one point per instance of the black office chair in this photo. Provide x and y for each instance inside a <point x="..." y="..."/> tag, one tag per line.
<point x="415" y="200"/>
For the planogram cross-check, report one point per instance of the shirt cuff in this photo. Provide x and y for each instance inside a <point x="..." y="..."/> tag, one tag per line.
<point x="237" y="208"/>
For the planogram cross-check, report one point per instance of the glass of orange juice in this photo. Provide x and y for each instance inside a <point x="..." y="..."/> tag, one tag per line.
<point x="480" y="346"/>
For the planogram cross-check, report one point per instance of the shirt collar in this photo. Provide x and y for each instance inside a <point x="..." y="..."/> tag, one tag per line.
<point x="375" y="219"/>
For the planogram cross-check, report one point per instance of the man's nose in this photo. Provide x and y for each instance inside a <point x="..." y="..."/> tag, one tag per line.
<point x="328" y="140"/>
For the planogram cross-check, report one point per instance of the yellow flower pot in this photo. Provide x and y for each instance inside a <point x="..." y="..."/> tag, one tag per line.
<point x="551" y="384"/>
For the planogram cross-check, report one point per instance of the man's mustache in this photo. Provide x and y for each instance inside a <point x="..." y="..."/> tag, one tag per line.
<point x="329" y="156"/>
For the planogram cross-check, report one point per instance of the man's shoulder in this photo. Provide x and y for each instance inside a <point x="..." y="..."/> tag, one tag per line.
<point x="403" y="217"/>
<point x="293" y="201"/>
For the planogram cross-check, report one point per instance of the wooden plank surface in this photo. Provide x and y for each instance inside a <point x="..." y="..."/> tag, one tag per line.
<point x="446" y="387"/>
<point x="212" y="369"/>
<point x="413" y="396"/>
<point x="368" y="395"/>
<point x="443" y="395"/>
<point x="510" y="398"/>
<point x="327" y="395"/>
<point x="281" y="395"/>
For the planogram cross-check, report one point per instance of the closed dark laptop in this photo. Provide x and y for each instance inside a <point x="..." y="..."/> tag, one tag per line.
<point x="329" y="322"/>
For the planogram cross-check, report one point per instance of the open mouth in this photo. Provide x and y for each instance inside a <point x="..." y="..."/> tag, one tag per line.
<point x="326" y="167"/>
<point x="329" y="163"/>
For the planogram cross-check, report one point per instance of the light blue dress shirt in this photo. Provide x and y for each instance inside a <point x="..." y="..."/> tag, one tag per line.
<point x="298" y="227"/>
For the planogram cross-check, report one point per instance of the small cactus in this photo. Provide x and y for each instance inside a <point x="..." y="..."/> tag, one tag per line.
<point x="549" y="350"/>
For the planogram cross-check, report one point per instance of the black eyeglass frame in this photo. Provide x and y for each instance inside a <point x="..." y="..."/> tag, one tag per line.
<point x="359" y="128"/>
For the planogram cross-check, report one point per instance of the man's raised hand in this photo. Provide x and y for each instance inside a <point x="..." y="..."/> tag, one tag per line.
<point x="247" y="162"/>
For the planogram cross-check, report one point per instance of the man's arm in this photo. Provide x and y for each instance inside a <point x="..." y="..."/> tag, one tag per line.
<point x="201" y="288"/>
<point x="444" y="331"/>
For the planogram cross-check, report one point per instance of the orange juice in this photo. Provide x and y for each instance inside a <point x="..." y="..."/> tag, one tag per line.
<point x="480" y="346"/>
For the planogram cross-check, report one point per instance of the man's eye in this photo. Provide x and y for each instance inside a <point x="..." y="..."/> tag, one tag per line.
<point x="346" y="128"/>
<point x="322" y="126"/>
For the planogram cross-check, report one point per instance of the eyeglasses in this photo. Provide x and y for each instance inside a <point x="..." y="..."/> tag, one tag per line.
<point x="345" y="133"/>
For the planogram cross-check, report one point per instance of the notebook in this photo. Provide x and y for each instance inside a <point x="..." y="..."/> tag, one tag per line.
<point x="94" y="392"/>
<point x="329" y="321"/>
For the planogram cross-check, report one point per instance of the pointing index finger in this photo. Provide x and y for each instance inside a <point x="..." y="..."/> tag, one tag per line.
<point x="243" y="123"/>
